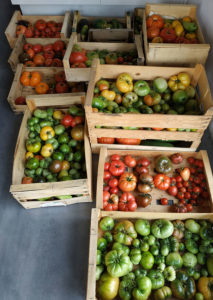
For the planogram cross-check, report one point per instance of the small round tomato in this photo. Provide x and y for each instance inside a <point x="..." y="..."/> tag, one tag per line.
<point x="197" y="180"/>
<point x="60" y="77"/>
<point x="78" y="120"/>
<point x="20" y="101"/>
<point x="28" y="46"/>
<point x="49" y="54"/>
<point x="142" y="170"/>
<point x="67" y="121"/>
<point x="106" y="166"/>
<point x="194" y="196"/>
<point x="106" y="188"/>
<point x="172" y="181"/>
<point x="115" y="157"/>
<point x="187" y="195"/>
<point x="37" y="48"/>
<point x="164" y="201"/>
<point x="191" y="178"/>
<point x="189" y="189"/>
<point x="107" y="175"/>
<point x="62" y="87"/>
<point x="203" y="185"/>
<point x="58" y="46"/>
<point x="27" y="180"/>
<point x="106" y="196"/>
<point x="193" y="202"/>
<point x="179" y="185"/>
<point x="143" y="162"/>
<point x="172" y="190"/>
<point x="201" y="176"/>
<point x="48" y="62"/>
<point x="113" y="182"/>
<point x="182" y="189"/>
<point x="40" y="24"/>
<point x="114" y="190"/>
<point x="186" y="184"/>
<point x="190" y="160"/>
<point x="180" y="195"/>
<point x="196" y="190"/>
<point x="192" y="170"/>
<point x="182" y="201"/>
<point x="179" y="178"/>
<point x="130" y="161"/>
<point x="189" y="207"/>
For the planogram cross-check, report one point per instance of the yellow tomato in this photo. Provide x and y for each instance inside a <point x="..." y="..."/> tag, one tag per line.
<point x="109" y="95"/>
<point x="175" y="23"/>
<point x="187" y="19"/>
<point x="190" y="36"/>
<point x="47" y="133"/>
<point x="29" y="155"/>
<point x="124" y="83"/>
<point x="47" y="150"/>
<point x="179" y="29"/>
<point x="58" y="115"/>
<point x="171" y="129"/>
<point x="65" y="165"/>
<point x="179" y="82"/>
<point x="94" y="109"/>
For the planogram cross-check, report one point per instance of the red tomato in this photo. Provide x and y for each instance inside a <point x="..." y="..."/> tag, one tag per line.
<point x="127" y="202"/>
<point x="78" y="120"/>
<point x="201" y="176"/>
<point x="48" y="62"/>
<point x="60" y="77"/>
<point x="194" y="196"/>
<point x="51" y="24"/>
<point x="130" y="161"/>
<point x="113" y="182"/>
<point x="58" y="46"/>
<point x="187" y="195"/>
<point x="189" y="207"/>
<point x="117" y="168"/>
<point x="115" y="157"/>
<point x="106" y="188"/>
<point x="161" y="181"/>
<point x="180" y="195"/>
<point x="40" y="24"/>
<point x="193" y="202"/>
<point x="48" y="47"/>
<point x="106" y="196"/>
<point x="153" y="32"/>
<point x="180" y="208"/>
<point x="77" y="57"/>
<point x="155" y="21"/>
<point x="49" y="54"/>
<point x="57" y="62"/>
<point x="37" y="48"/>
<point x="106" y="140"/>
<point x="164" y="201"/>
<point x="176" y="158"/>
<point x="172" y="190"/>
<point x="142" y="170"/>
<point x="27" y="180"/>
<point x="27" y="46"/>
<point x="67" y="120"/>
<point x="203" y="184"/>
<point x="189" y="189"/>
<point x="127" y="182"/>
<point x="106" y="166"/>
<point x="190" y="160"/>
<point x="197" y="190"/>
<point x="20" y="101"/>
<point x="29" y="32"/>
<point x="168" y="35"/>
<point x="110" y="202"/>
<point x="197" y="180"/>
<point x="179" y="178"/>
<point x="192" y="170"/>
<point x="143" y="162"/>
<point x="107" y="175"/>
<point x="182" y="189"/>
<point x="186" y="184"/>
<point x="172" y="181"/>
<point x="179" y="185"/>
<point x="182" y="201"/>
<point x="114" y="190"/>
<point x="61" y="87"/>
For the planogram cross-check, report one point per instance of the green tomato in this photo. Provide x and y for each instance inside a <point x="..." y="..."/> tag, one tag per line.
<point x="162" y="229"/>
<point x="119" y="247"/>
<point x="190" y="91"/>
<point x="143" y="289"/>
<point x="154" y="250"/>
<point x="108" y="237"/>
<point x="199" y="296"/>
<point x="63" y="138"/>
<point x="175" y="260"/>
<point x="189" y="260"/>
<point x="107" y="287"/>
<point x="147" y="260"/>
<point x="107" y="223"/>
<point x="64" y="148"/>
<point x="191" y="105"/>
<point x="59" y="129"/>
<point x="136" y="243"/>
<point x="191" y="246"/>
<point x="201" y="258"/>
<point x="163" y="293"/>
<point x="151" y="240"/>
<point x="179" y="97"/>
<point x="99" y="257"/>
<point x="160" y="85"/>
<point x="144" y="246"/>
<point x="135" y="256"/>
<point x="118" y="263"/>
<point x="58" y="156"/>
<point x="142" y="227"/>
<point x="102" y="244"/>
<point x="141" y="88"/>
<point x="210" y="265"/>
<point x="157" y="279"/>
<point x="196" y="275"/>
<point x="32" y="163"/>
<point x="192" y="226"/>
<point x="181" y="247"/>
<point x="99" y="271"/>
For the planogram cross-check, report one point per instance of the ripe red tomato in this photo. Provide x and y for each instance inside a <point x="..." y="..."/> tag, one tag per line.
<point x="172" y="190"/>
<point x="49" y="54"/>
<point x="180" y="208"/>
<point x="172" y="181"/>
<point x="180" y="195"/>
<point x="58" y="46"/>
<point x="203" y="184"/>
<point x="197" y="190"/>
<point x="179" y="178"/>
<point x="161" y="181"/>
<point x="127" y="202"/>
<point x="48" y="47"/>
<point x="192" y="170"/>
<point x="67" y="121"/>
<point x="187" y="195"/>
<point x="37" y="48"/>
<point x="155" y="21"/>
<point x="176" y="158"/>
<point x="106" y="188"/>
<point x="142" y="170"/>
<point x="168" y="35"/>
<point x="114" y="190"/>
<point x="106" y="140"/>
<point x="107" y="175"/>
<point x="51" y="24"/>
<point x="197" y="180"/>
<point x="40" y="24"/>
<point x="115" y="157"/>
<point x="20" y="101"/>
<point x="153" y="32"/>
<point x="201" y="176"/>
<point x="194" y="196"/>
<point x="113" y="182"/>
<point x="179" y="185"/>
<point x="27" y="46"/>
<point x="27" y="180"/>
<point x="110" y="202"/>
<point x="182" y="201"/>
<point x="48" y="62"/>
<point x="57" y="62"/>
<point x="29" y="32"/>
<point x="186" y="184"/>
<point x="164" y="201"/>
<point x="189" y="207"/>
<point x="61" y="87"/>
<point x="143" y="162"/>
<point x="182" y="189"/>
<point x="191" y="160"/>
<point x="130" y="161"/>
<point x="127" y="182"/>
<point x="78" y="120"/>
<point x="77" y="57"/>
<point x="60" y="77"/>
<point x="106" y="166"/>
<point x="117" y="168"/>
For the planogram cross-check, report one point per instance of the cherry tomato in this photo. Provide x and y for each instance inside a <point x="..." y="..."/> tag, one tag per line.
<point x="197" y="180"/>
<point x="113" y="182"/>
<point x="196" y="190"/>
<point x="194" y="196"/>
<point x="203" y="184"/>
<point x="106" y="196"/>
<point x="179" y="185"/>
<point x="172" y="181"/>
<point x="164" y="201"/>
<point x="182" y="189"/>
<point x="180" y="195"/>
<point x="189" y="207"/>
<point x="27" y="180"/>
<point x="106" y="166"/>
<point x="114" y="190"/>
<point x="107" y="175"/>
<point x="143" y="161"/>
<point x="179" y="178"/>
<point x="172" y="190"/>
<point x="201" y="176"/>
<point x="115" y="157"/>
<point x="189" y="189"/>
<point x="186" y="184"/>
<point x="130" y="161"/>
<point x="192" y="170"/>
<point x="191" y="178"/>
<point x="142" y="170"/>
<point x="182" y="201"/>
<point x="106" y="188"/>
<point x="20" y="101"/>
<point x="193" y="202"/>
<point x="190" y="160"/>
<point x="187" y="195"/>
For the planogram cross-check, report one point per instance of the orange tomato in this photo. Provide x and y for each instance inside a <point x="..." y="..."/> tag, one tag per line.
<point x="153" y="32"/>
<point x="42" y="88"/>
<point x="20" y="29"/>
<point x="126" y="141"/>
<point x="30" y="78"/>
<point x="106" y="140"/>
<point x="30" y="64"/>
<point x="155" y="21"/>
<point x="39" y="60"/>
<point x="157" y="129"/>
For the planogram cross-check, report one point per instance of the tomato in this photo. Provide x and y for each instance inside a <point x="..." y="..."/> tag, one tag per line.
<point x="110" y="203"/>
<point x="161" y="181"/>
<point x="114" y="190"/>
<point x="187" y="195"/>
<point x="130" y="161"/>
<point x="164" y="201"/>
<point x="191" y="160"/>
<point x="27" y="46"/>
<point x="142" y="170"/>
<point x="115" y="157"/>
<point x="106" y="188"/>
<point x="182" y="189"/>
<point x="20" y="29"/>
<point x="77" y="57"/>
<point x="61" y="87"/>
<point x="20" y="101"/>
<point x="77" y="133"/>
<point x="57" y="62"/>
<point x="40" y="24"/>
<point x="127" y="182"/>
<point x="106" y="196"/>
<point x="143" y="162"/>
<point x="155" y="21"/>
<point x="48" y="62"/>
<point x="117" y="168"/>
<point x="203" y="184"/>
<point x="176" y="158"/>
<point x="78" y="65"/>
<point x="78" y="120"/>
<point x="27" y="180"/>
<point x="48" y="47"/>
<point x="29" y="32"/>
<point x="196" y="190"/>
<point x="180" y="195"/>
<point x="172" y="181"/>
<point x="153" y="32"/>
<point x="168" y="35"/>
<point x="39" y="60"/>
<point x="179" y="178"/>
<point x="197" y="180"/>
<point x="172" y="190"/>
<point x="186" y="184"/>
<point x="194" y="196"/>
<point x="201" y="176"/>
<point x="68" y="121"/>
<point x="192" y="170"/>
<point x="180" y="208"/>
<point x="126" y="141"/>
<point x="60" y="77"/>
<point x="143" y="200"/>
<point x="185" y="174"/>
<point x="127" y="202"/>
<point x="179" y="185"/>
<point x="49" y="54"/>
<point x="107" y="175"/>
<point x="106" y="140"/>
<point x="37" y="48"/>
<point x="113" y="182"/>
<point x="189" y="207"/>
<point x="58" y="46"/>
<point x="106" y="166"/>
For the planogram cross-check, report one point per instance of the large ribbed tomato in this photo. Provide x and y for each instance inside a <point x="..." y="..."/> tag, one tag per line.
<point x="127" y="182"/>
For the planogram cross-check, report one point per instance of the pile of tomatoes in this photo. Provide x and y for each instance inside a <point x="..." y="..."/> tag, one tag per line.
<point x="40" y="29"/>
<point x="49" y="55"/>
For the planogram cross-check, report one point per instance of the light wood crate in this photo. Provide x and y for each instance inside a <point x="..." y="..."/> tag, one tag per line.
<point x="170" y="54"/>
<point x="200" y="122"/>
<point x="18" y="48"/>
<point x="95" y="233"/>
<point x="10" y="31"/>
<point x="155" y="193"/>
<point x="17" y="89"/>
<point x="83" y="74"/>
<point x="105" y="35"/>
<point x="26" y="194"/>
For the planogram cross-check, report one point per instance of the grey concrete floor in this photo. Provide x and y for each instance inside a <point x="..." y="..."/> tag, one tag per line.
<point x="43" y="252"/>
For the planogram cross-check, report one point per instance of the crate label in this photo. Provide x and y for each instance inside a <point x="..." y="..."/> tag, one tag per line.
<point x="48" y="204"/>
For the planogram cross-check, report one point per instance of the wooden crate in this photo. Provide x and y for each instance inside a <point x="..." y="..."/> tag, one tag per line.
<point x="200" y="122"/>
<point x="174" y="54"/>
<point x="18" y="48"/>
<point x="83" y="74"/>
<point x="105" y="35"/>
<point x="156" y="193"/>
<point x="95" y="233"/>
<point x="17" y="89"/>
<point x="10" y="31"/>
<point x="26" y="194"/>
